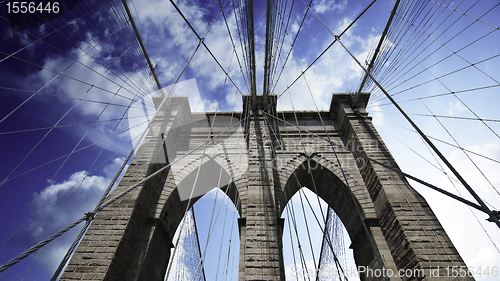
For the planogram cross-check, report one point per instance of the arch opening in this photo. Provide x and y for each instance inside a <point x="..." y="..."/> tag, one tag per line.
<point x="171" y="209"/>
<point x="307" y="217"/>
<point x="206" y="242"/>
<point x="325" y="184"/>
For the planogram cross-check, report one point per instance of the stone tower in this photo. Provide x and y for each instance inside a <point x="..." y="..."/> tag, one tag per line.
<point x="264" y="158"/>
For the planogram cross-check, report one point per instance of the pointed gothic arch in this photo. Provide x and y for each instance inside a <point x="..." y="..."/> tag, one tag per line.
<point x="174" y="205"/>
<point x="171" y="209"/>
<point x="330" y="257"/>
<point x="131" y="238"/>
<point x="353" y="209"/>
<point x="212" y="213"/>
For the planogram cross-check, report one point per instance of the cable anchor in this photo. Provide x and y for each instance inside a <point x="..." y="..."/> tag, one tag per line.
<point x="89" y="216"/>
<point x="494" y="213"/>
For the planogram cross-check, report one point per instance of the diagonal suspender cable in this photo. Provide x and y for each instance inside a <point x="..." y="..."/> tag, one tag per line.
<point x="456" y="53"/>
<point x="371" y="103"/>
<point x="465" y="14"/>
<point x="377" y="50"/>
<point x="233" y="44"/>
<point x="402" y="72"/>
<point x="202" y="40"/>
<point x="429" y="142"/>
<point x="437" y="115"/>
<point x="103" y="205"/>
<point x="141" y="44"/>
<point x="76" y="241"/>
<point x="327" y="48"/>
<point x="452" y="180"/>
<point x="465" y="201"/>
<point x="78" y="61"/>
<point x="449" y="144"/>
<point x="454" y="139"/>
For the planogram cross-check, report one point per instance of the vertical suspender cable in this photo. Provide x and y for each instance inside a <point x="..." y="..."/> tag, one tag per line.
<point x="251" y="55"/>
<point x="269" y="43"/>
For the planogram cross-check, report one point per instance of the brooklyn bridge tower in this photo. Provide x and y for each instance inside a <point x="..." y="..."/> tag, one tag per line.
<point x="260" y="157"/>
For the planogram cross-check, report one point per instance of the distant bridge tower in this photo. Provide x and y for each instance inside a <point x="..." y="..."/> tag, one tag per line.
<point x="390" y="225"/>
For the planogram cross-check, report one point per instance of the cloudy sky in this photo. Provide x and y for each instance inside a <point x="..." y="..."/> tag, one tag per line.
<point x="74" y="92"/>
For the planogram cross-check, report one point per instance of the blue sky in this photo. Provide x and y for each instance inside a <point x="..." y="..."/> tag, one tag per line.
<point x="86" y="70"/>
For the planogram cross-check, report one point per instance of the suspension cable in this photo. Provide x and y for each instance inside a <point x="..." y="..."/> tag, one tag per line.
<point x="428" y="141"/>
<point x="327" y="48"/>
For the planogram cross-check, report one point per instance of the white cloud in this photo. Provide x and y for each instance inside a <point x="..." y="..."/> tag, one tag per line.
<point x="234" y="101"/>
<point x="180" y="42"/>
<point x="55" y="213"/>
<point x="489" y="168"/>
<point x="455" y="108"/>
<point x="111" y="169"/>
<point x="99" y="92"/>
<point x="469" y="238"/>
<point x="324" y="6"/>
<point x="377" y="114"/>
<point x="333" y="73"/>
<point x="99" y="82"/>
